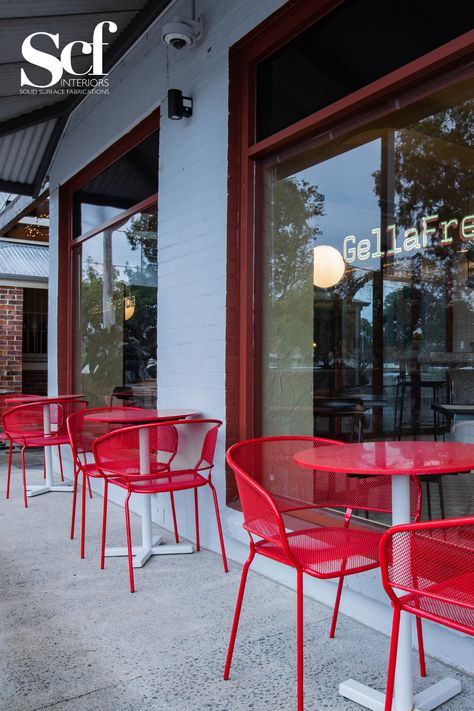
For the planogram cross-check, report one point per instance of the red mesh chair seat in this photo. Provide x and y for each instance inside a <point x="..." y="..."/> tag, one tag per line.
<point x="324" y="552"/>
<point x="91" y="470"/>
<point x="179" y="456"/>
<point x="159" y="483"/>
<point x="52" y="440"/>
<point x="431" y="564"/>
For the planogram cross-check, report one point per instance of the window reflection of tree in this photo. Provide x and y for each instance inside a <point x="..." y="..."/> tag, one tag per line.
<point x="135" y="337"/>
<point x="296" y="205"/>
<point x="432" y="175"/>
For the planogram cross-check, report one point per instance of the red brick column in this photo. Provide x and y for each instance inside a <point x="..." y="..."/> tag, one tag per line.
<point x="11" y="337"/>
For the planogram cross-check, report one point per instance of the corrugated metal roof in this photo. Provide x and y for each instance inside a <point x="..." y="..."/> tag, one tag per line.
<point x="31" y="124"/>
<point x="21" y="152"/>
<point x="23" y="261"/>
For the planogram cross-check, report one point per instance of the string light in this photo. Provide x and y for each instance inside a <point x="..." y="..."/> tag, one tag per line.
<point x="36" y="231"/>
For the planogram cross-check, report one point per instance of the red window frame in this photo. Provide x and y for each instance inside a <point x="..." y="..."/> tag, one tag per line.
<point x="65" y="333"/>
<point x="421" y="77"/>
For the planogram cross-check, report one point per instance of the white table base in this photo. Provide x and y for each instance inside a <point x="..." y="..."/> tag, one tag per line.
<point x="142" y="554"/>
<point x="426" y="700"/>
<point x="45" y="489"/>
<point x="403" y="700"/>
<point x="150" y="545"/>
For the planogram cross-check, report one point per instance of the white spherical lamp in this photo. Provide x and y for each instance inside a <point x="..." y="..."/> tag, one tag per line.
<point x="328" y="266"/>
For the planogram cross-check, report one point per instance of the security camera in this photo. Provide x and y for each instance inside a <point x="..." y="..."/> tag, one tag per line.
<point x="180" y="32"/>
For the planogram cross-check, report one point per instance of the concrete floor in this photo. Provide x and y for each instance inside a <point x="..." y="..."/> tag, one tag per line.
<point x="74" y="639"/>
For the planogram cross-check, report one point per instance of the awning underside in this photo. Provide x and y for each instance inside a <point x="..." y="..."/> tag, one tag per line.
<point x="31" y="124"/>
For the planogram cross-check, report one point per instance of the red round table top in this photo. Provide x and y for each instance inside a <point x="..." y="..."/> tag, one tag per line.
<point x="136" y="416"/>
<point x="391" y="458"/>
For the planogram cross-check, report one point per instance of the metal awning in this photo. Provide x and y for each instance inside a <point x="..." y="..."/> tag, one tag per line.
<point x="26" y="262"/>
<point x="31" y="124"/>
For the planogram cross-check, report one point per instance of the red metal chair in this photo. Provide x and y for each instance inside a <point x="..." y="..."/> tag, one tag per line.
<point x="24" y="425"/>
<point x="181" y="457"/>
<point x="82" y="432"/>
<point x="432" y="564"/>
<point x="272" y="487"/>
<point x="4" y="406"/>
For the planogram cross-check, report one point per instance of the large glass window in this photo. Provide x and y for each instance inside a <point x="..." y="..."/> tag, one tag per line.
<point x="396" y="200"/>
<point x="115" y="282"/>
<point x="357" y="145"/>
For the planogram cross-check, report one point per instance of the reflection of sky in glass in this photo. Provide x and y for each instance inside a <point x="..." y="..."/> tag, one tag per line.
<point x="350" y="203"/>
<point x="95" y="215"/>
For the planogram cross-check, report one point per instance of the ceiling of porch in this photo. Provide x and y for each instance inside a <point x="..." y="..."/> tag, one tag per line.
<point x="31" y="124"/>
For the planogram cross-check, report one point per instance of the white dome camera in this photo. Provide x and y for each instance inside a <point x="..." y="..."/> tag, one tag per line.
<point x="180" y="32"/>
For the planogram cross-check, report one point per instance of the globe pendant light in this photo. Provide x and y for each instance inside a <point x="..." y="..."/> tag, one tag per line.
<point x="328" y="266"/>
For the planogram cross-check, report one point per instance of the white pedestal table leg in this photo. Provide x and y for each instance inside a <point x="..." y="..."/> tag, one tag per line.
<point x="403" y="693"/>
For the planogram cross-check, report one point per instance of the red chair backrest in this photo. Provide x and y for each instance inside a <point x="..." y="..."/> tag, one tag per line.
<point x="24" y="421"/>
<point x="262" y="516"/>
<point x="434" y="558"/>
<point x="118" y="453"/>
<point x="175" y="446"/>
<point x="82" y="431"/>
<point x="8" y="401"/>
<point x="269" y="461"/>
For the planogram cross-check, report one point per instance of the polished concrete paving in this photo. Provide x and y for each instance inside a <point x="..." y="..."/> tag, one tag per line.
<point x="74" y="639"/>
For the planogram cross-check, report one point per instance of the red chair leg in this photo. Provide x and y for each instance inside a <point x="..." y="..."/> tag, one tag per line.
<point x="60" y="462"/>
<point x="44" y="463"/>
<point x="219" y="527"/>
<point x="421" y="646"/>
<point x="83" y="514"/>
<point x="74" y="500"/>
<point x="238" y="608"/>
<point x="129" y="542"/>
<point x="196" y="520"/>
<point x="9" y="473"/>
<point x="23" y="474"/>
<point x="104" y="525"/>
<point x="88" y="479"/>
<point x="175" y="522"/>
<point x="392" y="659"/>
<point x="299" y="640"/>
<point x="336" y="607"/>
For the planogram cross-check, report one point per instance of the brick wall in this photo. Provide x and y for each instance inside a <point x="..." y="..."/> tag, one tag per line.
<point x="11" y="325"/>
